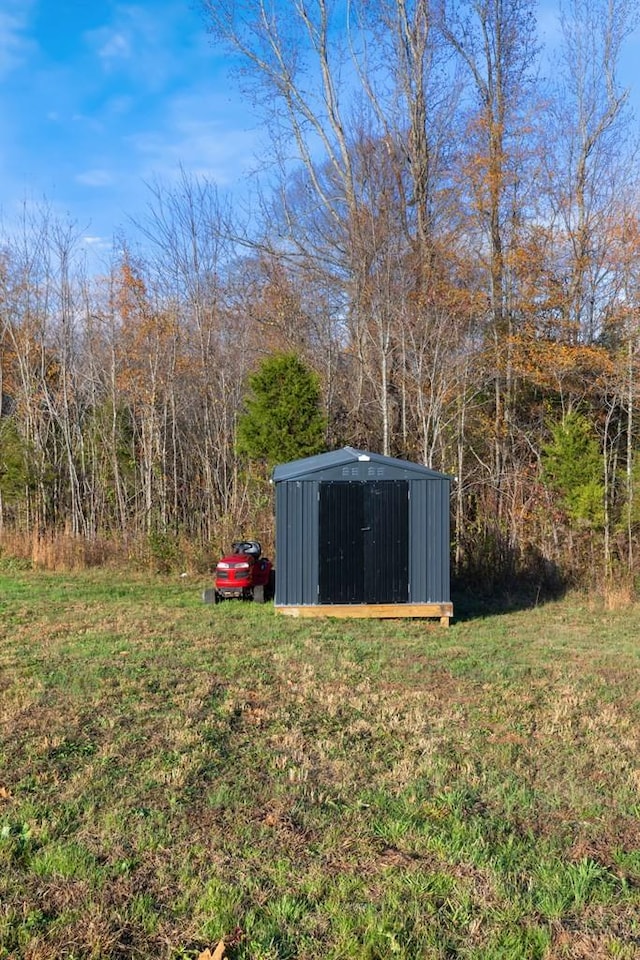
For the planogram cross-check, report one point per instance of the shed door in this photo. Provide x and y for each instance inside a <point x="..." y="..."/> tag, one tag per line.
<point x="364" y="542"/>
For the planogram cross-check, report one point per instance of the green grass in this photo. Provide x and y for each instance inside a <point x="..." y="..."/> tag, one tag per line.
<point x="172" y="774"/>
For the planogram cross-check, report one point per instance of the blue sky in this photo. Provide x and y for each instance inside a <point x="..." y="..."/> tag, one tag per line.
<point x="100" y="96"/>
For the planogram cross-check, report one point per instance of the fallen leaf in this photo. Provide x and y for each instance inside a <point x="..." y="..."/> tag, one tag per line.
<point x="217" y="954"/>
<point x="5" y="794"/>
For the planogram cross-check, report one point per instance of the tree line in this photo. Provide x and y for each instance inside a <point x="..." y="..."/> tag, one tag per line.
<point x="445" y="230"/>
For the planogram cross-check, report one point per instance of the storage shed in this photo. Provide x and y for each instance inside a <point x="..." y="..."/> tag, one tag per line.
<point x="362" y="535"/>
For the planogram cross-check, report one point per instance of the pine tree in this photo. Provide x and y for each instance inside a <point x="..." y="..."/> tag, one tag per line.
<point x="572" y="467"/>
<point x="14" y="462"/>
<point x="282" y="419"/>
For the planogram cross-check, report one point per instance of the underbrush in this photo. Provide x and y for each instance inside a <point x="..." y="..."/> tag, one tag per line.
<point x="158" y="553"/>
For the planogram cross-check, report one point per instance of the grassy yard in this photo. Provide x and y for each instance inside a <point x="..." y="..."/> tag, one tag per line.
<point x="173" y="774"/>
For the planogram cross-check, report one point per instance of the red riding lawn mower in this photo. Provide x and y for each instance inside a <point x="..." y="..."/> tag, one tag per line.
<point x="243" y="574"/>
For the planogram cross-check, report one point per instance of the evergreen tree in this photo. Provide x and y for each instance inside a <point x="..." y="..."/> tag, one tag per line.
<point x="281" y="419"/>
<point x="14" y="467"/>
<point x="572" y="467"/>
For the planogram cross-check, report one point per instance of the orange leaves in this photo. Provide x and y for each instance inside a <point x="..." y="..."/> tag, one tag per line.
<point x="487" y="167"/>
<point x="8" y="366"/>
<point x="147" y="343"/>
<point x="555" y="365"/>
<point x="280" y="321"/>
<point x="130" y="296"/>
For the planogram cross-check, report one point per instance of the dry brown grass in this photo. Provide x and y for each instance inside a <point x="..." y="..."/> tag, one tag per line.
<point x="61" y="551"/>
<point x="619" y="594"/>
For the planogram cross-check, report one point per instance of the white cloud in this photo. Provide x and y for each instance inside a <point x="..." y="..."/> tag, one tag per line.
<point x="136" y="41"/>
<point x="113" y="45"/>
<point x="95" y="178"/>
<point x="97" y="244"/>
<point x="201" y="135"/>
<point x="119" y="106"/>
<point x="90" y="124"/>
<point x="15" y="43"/>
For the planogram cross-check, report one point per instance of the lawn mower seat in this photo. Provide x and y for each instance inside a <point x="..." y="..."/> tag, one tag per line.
<point x="251" y="547"/>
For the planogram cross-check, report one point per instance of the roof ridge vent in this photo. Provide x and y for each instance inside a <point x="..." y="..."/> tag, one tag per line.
<point x="364" y="457"/>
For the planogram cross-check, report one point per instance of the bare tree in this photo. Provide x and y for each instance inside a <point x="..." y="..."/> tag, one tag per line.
<point x="495" y="41"/>
<point x="588" y="152"/>
<point x="355" y="163"/>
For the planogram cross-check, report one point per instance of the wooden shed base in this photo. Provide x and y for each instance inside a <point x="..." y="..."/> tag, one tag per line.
<point x="444" y="611"/>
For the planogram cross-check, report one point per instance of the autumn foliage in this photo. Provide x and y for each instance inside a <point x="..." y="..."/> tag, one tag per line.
<point x="446" y="243"/>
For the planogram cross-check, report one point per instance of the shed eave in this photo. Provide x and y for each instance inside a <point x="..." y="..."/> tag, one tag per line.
<point x="307" y="466"/>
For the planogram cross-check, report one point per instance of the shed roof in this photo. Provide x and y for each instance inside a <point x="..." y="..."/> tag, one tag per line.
<point x="336" y="458"/>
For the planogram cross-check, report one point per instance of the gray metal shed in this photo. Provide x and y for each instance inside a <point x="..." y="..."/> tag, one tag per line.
<point x="359" y="534"/>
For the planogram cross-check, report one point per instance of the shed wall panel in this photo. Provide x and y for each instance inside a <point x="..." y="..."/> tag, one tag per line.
<point x="438" y="555"/>
<point x="296" y="542"/>
<point x="429" y="541"/>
